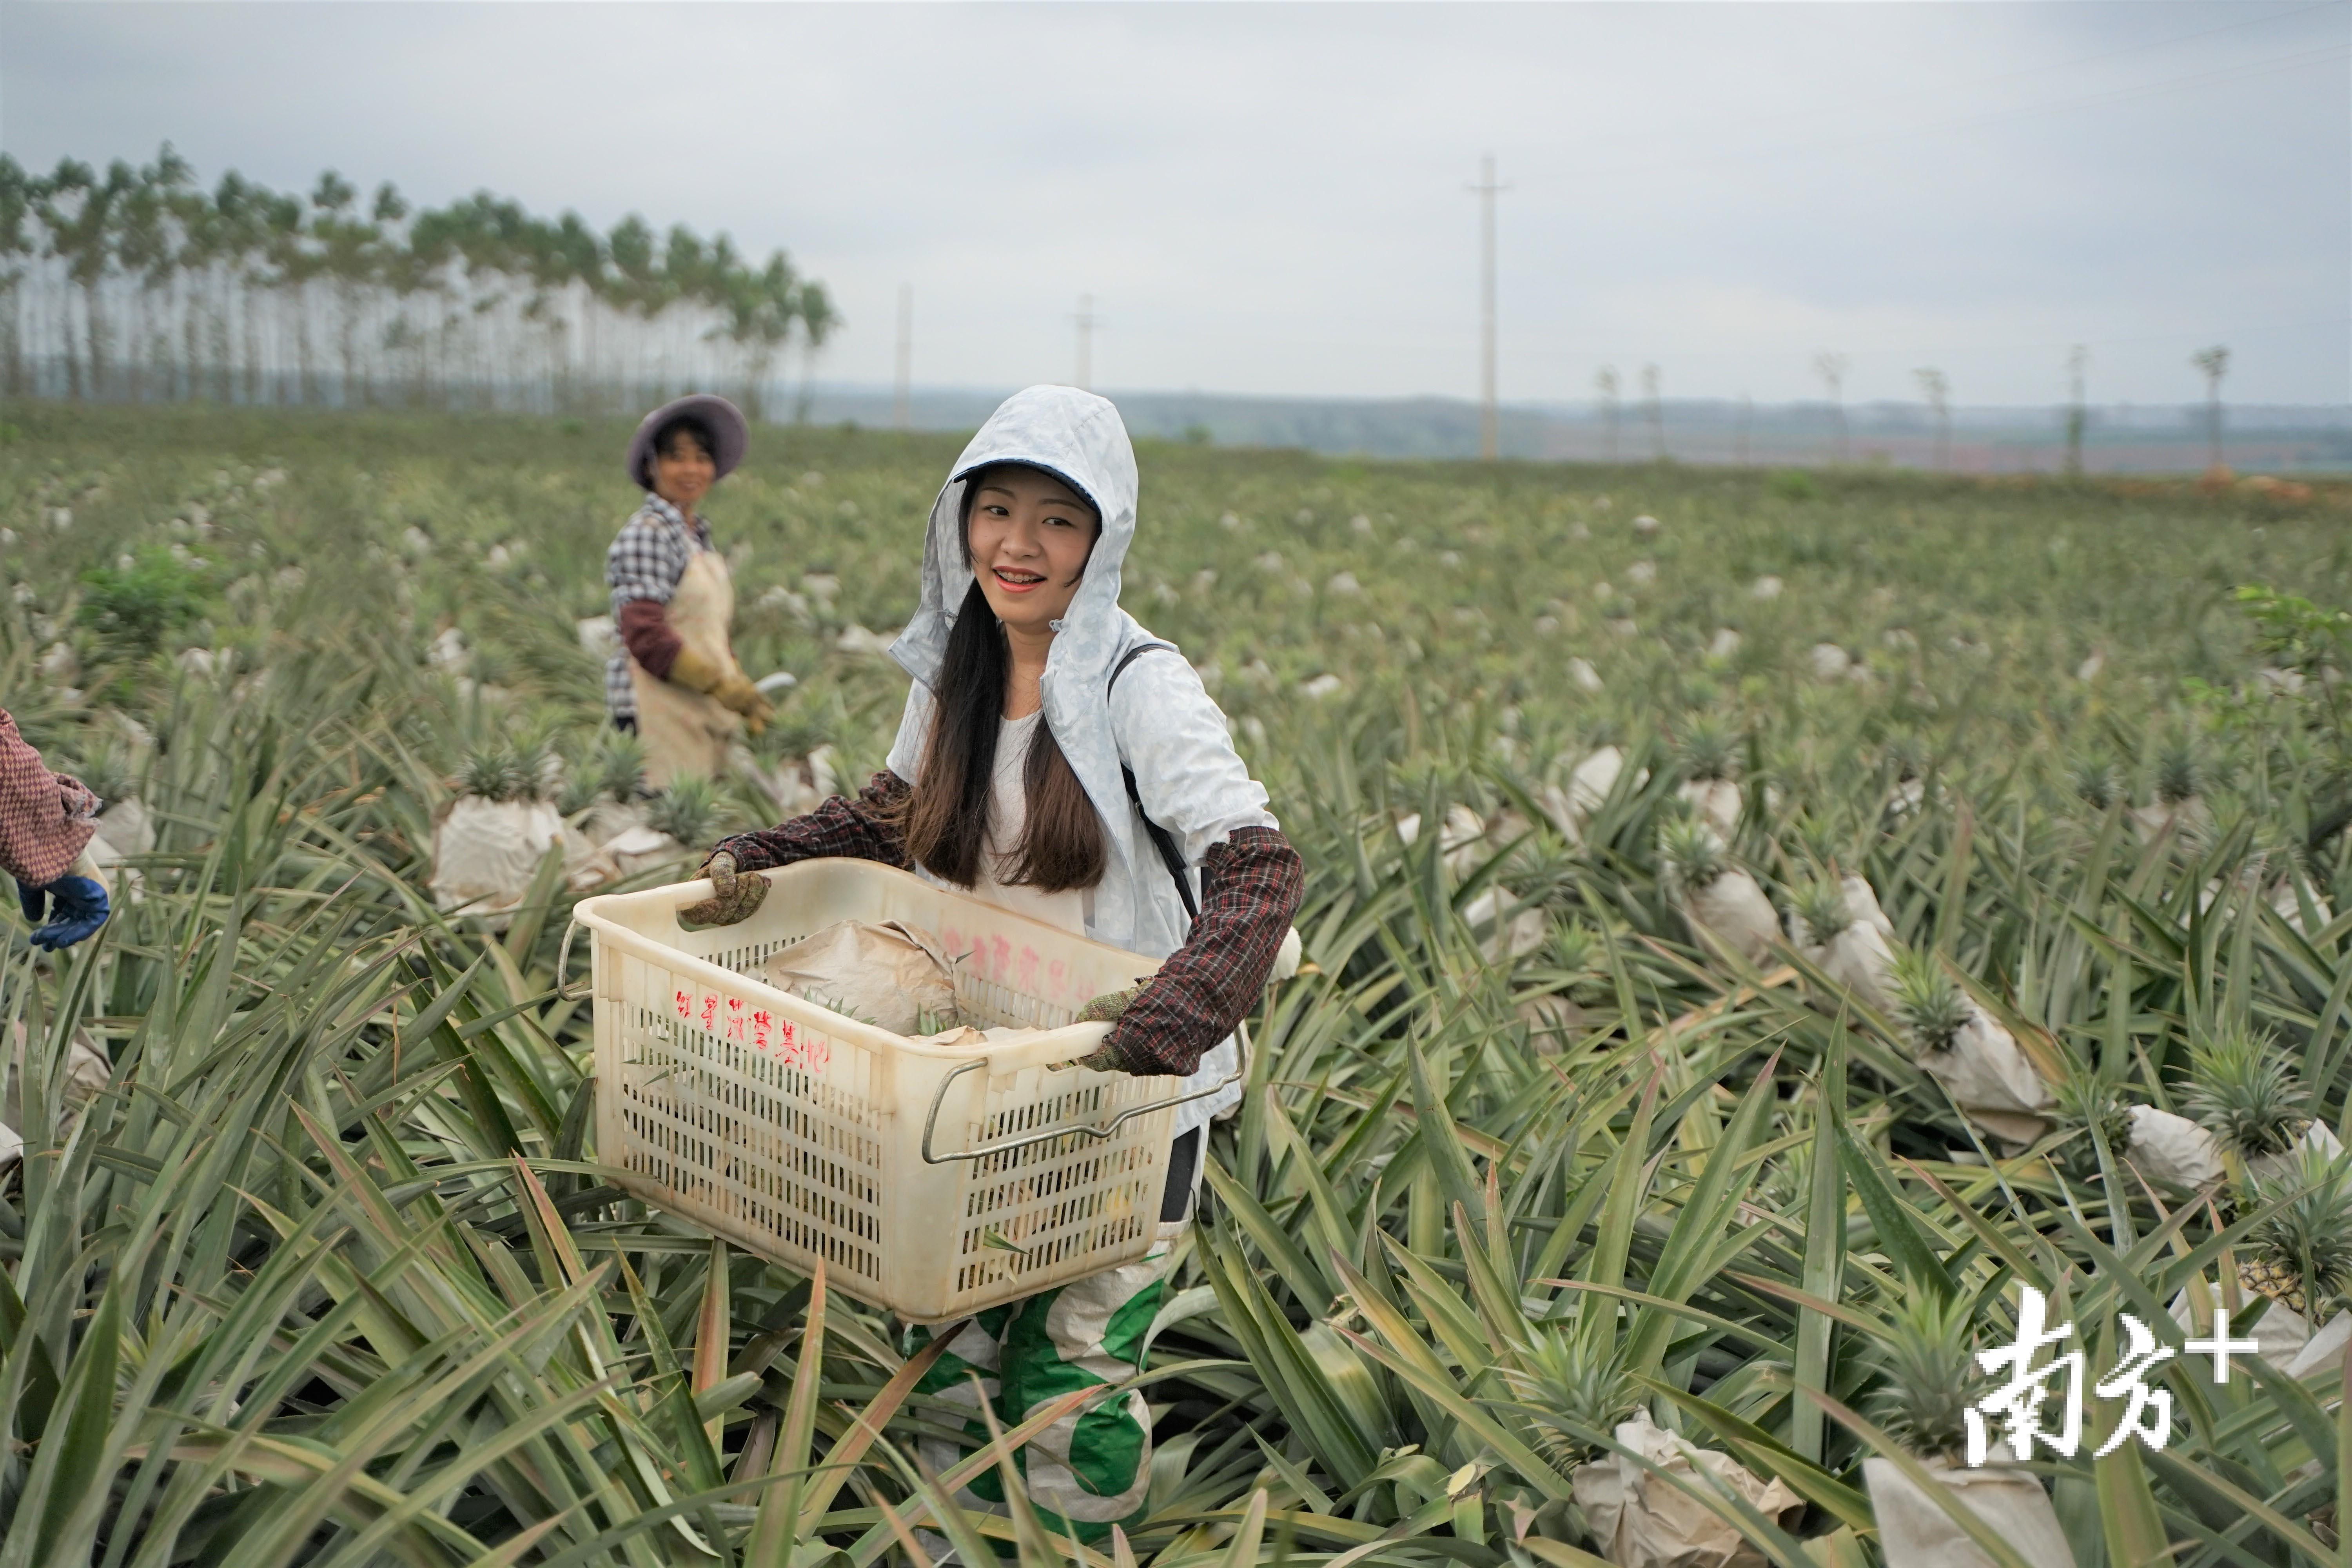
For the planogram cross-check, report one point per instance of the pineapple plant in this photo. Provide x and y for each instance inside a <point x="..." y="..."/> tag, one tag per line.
<point x="2088" y="1101"/>
<point x="1710" y="764"/>
<point x="1923" y="1359"/>
<point x="2094" y="781"/>
<point x="1694" y="855"/>
<point x="1818" y="914"/>
<point x="621" y="773"/>
<point x="579" y="792"/>
<point x="685" y="811"/>
<point x="494" y="773"/>
<point x="2299" y="1253"/>
<point x="1565" y="1386"/>
<point x="1924" y="1363"/>
<point x="2244" y="1091"/>
<point x="1974" y="1058"/>
<point x="2180" y="805"/>
<point x="1928" y="1004"/>
<point x="1722" y="904"/>
<point x="2179" y="773"/>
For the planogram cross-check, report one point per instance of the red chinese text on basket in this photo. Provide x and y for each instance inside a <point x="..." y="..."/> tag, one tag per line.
<point x="732" y="1019"/>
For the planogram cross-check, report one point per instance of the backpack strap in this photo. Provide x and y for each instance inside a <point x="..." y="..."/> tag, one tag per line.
<point x="1169" y="855"/>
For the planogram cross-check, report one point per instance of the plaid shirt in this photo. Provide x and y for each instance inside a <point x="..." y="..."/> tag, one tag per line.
<point x="46" y="818"/>
<point x="1250" y="888"/>
<point x="647" y="558"/>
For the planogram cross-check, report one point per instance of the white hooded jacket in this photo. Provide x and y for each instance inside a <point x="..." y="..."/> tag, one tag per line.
<point x="1159" y="720"/>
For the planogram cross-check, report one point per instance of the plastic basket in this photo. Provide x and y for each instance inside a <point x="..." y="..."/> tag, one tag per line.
<point x="932" y="1183"/>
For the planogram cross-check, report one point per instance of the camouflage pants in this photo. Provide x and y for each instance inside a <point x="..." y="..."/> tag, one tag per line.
<point x="1087" y="1472"/>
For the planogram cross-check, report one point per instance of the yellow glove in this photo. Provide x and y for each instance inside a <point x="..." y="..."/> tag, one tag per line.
<point x="728" y="689"/>
<point x="737" y="691"/>
<point x="695" y="672"/>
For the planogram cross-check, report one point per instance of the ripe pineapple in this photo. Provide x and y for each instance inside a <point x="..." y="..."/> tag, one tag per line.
<point x="2244" y="1091"/>
<point x="1928" y="1003"/>
<point x="2300" y="1252"/>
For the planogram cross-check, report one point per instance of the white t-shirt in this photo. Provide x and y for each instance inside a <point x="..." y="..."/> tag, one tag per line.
<point x="1008" y="812"/>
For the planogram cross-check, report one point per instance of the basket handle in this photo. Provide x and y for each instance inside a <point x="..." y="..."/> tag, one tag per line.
<point x="563" y="992"/>
<point x="1006" y="1146"/>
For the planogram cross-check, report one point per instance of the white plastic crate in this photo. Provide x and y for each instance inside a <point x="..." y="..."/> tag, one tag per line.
<point x="799" y="1134"/>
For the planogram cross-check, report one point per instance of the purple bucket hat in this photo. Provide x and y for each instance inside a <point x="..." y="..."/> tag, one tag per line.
<point x="724" y="420"/>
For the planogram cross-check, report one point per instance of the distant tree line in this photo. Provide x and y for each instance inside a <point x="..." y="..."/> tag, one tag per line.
<point x="138" y="284"/>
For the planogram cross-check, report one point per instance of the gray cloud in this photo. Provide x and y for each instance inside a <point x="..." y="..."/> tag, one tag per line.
<point x="1269" y="199"/>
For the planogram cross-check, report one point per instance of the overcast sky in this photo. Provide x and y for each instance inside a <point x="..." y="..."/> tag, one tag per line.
<point x="1269" y="199"/>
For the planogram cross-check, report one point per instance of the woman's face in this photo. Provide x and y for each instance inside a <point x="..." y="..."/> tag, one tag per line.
<point x="684" y="472"/>
<point x="1030" y="535"/>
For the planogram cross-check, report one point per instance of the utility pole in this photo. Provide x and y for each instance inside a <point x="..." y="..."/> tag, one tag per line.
<point x="1489" y="423"/>
<point x="902" y="414"/>
<point x="1936" y="388"/>
<point x="2078" y="414"/>
<point x="1831" y="369"/>
<point x="1086" y="321"/>
<point x="2214" y="362"/>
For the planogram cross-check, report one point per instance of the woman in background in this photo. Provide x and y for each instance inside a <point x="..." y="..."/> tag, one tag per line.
<point x="674" y="679"/>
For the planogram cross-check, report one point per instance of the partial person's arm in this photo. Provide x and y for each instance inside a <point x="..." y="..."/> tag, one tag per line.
<point x="47" y="820"/>
<point x="860" y="827"/>
<point x="644" y="630"/>
<point x="1192" y="781"/>
<point x="642" y="568"/>
<point x="864" y="828"/>
<point x="1250" y="888"/>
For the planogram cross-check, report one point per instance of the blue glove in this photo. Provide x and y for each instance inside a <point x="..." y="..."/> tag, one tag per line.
<point x="80" y="908"/>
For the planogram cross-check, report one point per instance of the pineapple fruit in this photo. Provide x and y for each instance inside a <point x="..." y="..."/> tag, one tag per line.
<point x="2300" y="1251"/>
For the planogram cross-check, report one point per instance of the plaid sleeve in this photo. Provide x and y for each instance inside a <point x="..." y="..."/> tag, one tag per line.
<point x="645" y="562"/>
<point x="46" y="818"/>
<point x="865" y="829"/>
<point x="1250" y="887"/>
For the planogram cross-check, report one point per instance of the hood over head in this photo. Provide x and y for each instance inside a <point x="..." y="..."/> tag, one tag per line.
<point x="1080" y="439"/>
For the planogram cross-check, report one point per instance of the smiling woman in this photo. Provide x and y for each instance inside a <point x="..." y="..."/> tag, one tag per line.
<point x="1007" y="778"/>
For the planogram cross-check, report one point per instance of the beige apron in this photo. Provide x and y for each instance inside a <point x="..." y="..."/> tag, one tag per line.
<point x="686" y="732"/>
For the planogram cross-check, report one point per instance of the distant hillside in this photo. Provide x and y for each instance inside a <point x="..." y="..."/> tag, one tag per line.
<point x="2126" y="438"/>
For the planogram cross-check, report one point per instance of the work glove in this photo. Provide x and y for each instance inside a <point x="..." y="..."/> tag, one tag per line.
<point x="1106" y="1008"/>
<point x="738" y="692"/>
<point x="728" y="689"/>
<point x="65" y="911"/>
<point x="735" y="894"/>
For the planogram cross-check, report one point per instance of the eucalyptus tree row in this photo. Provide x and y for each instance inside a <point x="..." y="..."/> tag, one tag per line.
<point x="137" y="284"/>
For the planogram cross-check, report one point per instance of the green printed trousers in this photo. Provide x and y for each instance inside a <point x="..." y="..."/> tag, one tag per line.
<point x="1087" y="1472"/>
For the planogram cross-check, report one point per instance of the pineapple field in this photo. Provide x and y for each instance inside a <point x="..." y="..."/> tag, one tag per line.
<point x="1776" y="944"/>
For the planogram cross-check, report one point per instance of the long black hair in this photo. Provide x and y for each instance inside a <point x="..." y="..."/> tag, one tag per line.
<point x="946" y="819"/>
